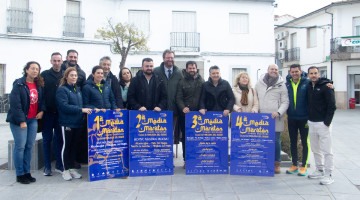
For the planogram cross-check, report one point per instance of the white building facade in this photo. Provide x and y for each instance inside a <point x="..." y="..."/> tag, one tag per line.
<point x="328" y="38"/>
<point x="236" y="35"/>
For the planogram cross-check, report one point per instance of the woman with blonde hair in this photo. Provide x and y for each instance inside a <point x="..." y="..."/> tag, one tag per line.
<point x="246" y="99"/>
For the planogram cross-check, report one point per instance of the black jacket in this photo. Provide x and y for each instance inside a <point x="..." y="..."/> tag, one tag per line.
<point x="137" y="92"/>
<point x="321" y="101"/>
<point x="189" y="91"/>
<point x="93" y="98"/>
<point x="52" y="80"/>
<point x="69" y="103"/>
<point x="115" y="87"/>
<point x="20" y="101"/>
<point x="81" y="74"/>
<point x="217" y="98"/>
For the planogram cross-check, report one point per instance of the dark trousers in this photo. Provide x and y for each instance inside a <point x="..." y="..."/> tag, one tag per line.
<point x="82" y="146"/>
<point x="294" y="126"/>
<point x="71" y="138"/>
<point x="52" y="133"/>
<point x="183" y="136"/>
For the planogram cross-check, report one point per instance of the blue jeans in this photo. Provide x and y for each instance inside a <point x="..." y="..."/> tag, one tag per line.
<point x="24" y="141"/>
<point x="52" y="129"/>
<point x="277" y="147"/>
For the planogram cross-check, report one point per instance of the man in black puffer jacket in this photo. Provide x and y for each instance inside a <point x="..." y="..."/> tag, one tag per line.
<point x="147" y="91"/>
<point x="216" y="94"/>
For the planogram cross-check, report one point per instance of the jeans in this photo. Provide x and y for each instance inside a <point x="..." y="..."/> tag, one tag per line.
<point x="52" y="129"/>
<point x="277" y="147"/>
<point x="24" y="141"/>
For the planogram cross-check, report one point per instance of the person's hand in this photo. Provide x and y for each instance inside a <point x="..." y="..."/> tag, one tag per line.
<point x="202" y="111"/>
<point x="86" y="111"/>
<point x="157" y="109"/>
<point x="142" y="109"/>
<point x="23" y="125"/>
<point x="226" y="113"/>
<point x="97" y="110"/>
<point x="186" y="110"/>
<point x="331" y="86"/>
<point x="239" y="110"/>
<point x="103" y="110"/>
<point x="39" y="115"/>
<point x="117" y="110"/>
<point x="275" y="115"/>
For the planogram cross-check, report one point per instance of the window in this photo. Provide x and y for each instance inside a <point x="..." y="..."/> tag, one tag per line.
<point x="73" y="22"/>
<point x="293" y="38"/>
<point x="311" y="37"/>
<point x="19" y="17"/>
<point x="323" y="72"/>
<point x="140" y="19"/>
<point x="134" y="70"/>
<point x="235" y="72"/>
<point x="183" y="21"/>
<point x="2" y="79"/>
<point x="356" y="26"/>
<point x="239" y="23"/>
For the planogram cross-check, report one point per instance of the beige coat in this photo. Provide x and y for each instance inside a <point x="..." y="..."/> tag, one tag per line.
<point x="273" y="99"/>
<point x="253" y="102"/>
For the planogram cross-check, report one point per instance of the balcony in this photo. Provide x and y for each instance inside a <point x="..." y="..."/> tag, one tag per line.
<point x="19" y="21"/>
<point x="73" y="26"/>
<point x="185" y="41"/>
<point x="345" y="48"/>
<point x="292" y="54"/>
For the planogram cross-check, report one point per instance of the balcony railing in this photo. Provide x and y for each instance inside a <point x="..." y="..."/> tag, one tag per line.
<point x="73" y="26"/>
<point x="185" y="41"/>
<point x="342" y="52"/>
<point x="19" y="21"/>
<point x="292" y="54"/>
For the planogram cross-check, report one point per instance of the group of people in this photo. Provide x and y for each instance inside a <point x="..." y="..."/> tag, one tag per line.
<point x="62" y="95"/>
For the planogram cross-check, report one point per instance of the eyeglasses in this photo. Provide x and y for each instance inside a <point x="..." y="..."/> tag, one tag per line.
<point x="169" y="58"/>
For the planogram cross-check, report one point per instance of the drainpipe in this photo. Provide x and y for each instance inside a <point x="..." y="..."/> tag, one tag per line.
<point x="331" y="42"/>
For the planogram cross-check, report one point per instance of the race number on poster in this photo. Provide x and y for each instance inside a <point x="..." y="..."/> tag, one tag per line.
<point x="108" y="146"/>
<point x="252" y="144"/>
<point x="206" y="143"/>
<point x="151" y="143"/>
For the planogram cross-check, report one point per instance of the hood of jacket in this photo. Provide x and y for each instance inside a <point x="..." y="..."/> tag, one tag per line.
<point x="90" y="81"/>
<point x="322" y="81"/>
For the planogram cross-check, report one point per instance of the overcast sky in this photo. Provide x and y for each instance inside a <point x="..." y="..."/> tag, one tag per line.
<point x="298" y="8"/>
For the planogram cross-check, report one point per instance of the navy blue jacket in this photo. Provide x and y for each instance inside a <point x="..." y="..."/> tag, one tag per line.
<point x="300" y="113"/>
<point x="93" y="98"/>
<point x="69" y="105"/>
<point x="20" y="101"/>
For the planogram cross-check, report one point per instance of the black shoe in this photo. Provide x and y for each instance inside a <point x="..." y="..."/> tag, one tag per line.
<point x="30" y="178"/>
<point x="22" y="179"/>
<point x="77" y="165"/>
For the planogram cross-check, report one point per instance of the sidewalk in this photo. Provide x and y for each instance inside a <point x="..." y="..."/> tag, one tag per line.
<point x="346" y="139"/>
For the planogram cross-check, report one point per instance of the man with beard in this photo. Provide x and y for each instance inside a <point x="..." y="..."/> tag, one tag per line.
<point x="188" y="95"/>
<point x="71" y="61"/>
<point x="147" y="91"/>
<point x="171" y="75"/>
<point x="51" y="125"/>
<point x="321" y="111"/>
<point x="111" y="80"/>
<point x="274" y="99"/>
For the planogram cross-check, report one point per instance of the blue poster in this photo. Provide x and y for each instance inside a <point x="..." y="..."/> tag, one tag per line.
<point x="108" y="147"/>
<point x="252" y="144"/>
<point x="151" y="143"/>
<point x="206" y="143"/>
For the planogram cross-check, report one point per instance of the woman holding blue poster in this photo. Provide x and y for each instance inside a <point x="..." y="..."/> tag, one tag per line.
<point x="26" y="106"/>
<point x="97" y="94"/>
<point x="246" y="99"/>
<point x="71" y="113"/>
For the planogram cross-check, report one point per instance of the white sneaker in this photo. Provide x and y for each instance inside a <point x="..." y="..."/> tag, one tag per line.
<point x="66" y="175"/>
<point x="74" y="173"/>
<point x="327" y="180"/>
<point x="317" y="174"/>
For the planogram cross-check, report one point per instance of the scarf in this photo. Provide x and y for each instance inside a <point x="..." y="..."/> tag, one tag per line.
<point x="244" y="95"/>
<point x="270" y="81"/>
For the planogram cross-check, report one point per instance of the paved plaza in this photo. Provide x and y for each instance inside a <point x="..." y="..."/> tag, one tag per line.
<point x="346" y="140"/>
